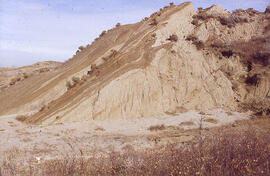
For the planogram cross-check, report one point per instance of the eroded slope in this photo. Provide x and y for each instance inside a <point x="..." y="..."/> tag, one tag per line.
<point x="175" y="60"/>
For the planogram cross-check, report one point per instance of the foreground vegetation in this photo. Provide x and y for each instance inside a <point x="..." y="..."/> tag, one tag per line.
<point x="232" y="153"/>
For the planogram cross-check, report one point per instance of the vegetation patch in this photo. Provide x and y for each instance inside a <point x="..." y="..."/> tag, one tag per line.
<point x="198" y="43"/>
<point x="231" y="153"/>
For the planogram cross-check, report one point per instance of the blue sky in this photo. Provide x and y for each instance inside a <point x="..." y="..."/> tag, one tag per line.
<point x="39" y="30"/>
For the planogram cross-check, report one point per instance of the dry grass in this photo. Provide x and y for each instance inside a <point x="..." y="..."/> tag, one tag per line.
<point x="232" y="153"/>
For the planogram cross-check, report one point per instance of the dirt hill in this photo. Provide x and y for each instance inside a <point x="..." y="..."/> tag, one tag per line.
<point x="9" y="76"/>
<point x="178" y="59"/>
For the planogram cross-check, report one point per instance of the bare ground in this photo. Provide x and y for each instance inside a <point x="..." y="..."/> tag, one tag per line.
<point x="52" y="141"/>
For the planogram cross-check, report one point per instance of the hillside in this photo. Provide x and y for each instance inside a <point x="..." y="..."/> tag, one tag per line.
<point x="176" y="60"/>
<point x="9" y="76"/>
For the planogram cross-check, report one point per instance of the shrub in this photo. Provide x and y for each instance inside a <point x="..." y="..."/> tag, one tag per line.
<point x="188" y="123"/>
<point x="191" y="37"/>
<point x="75" y="80"/>
<point x="84" y="78"/>
<point x="232" y="20"/>
<point x="200" y="9"/>
<point x="118" y="25"/>
<point x="227" y="53"/>
<point x="195" y="22"/>
<point x="199" y="44"/>
<point x="69" y="85"/>
<point x="166" y="7"/>
<point x="157" y="128"/>
<point x="154" y="22"/>
<point x="89" y="72"/>
<point x="25" y="75"/>
<point x="42" y="108"/>
<point x="211" y="120"/>
<point x="252" y="80"/>
<point x="102" y="33"/>
<point x="153" y="15"/>
<point x="171" y="4"/>
<point x="262" y="58"/>
<point x="43" y="70"/>
<point x="14" y="80"/>
<point x="21" y="118"/>
<point x="173" y="38"/>
<point x="267" y="10"/>
<point x="81" y="48"/>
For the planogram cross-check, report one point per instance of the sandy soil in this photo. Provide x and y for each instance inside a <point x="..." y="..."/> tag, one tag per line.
<point x="48" y="142"/>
